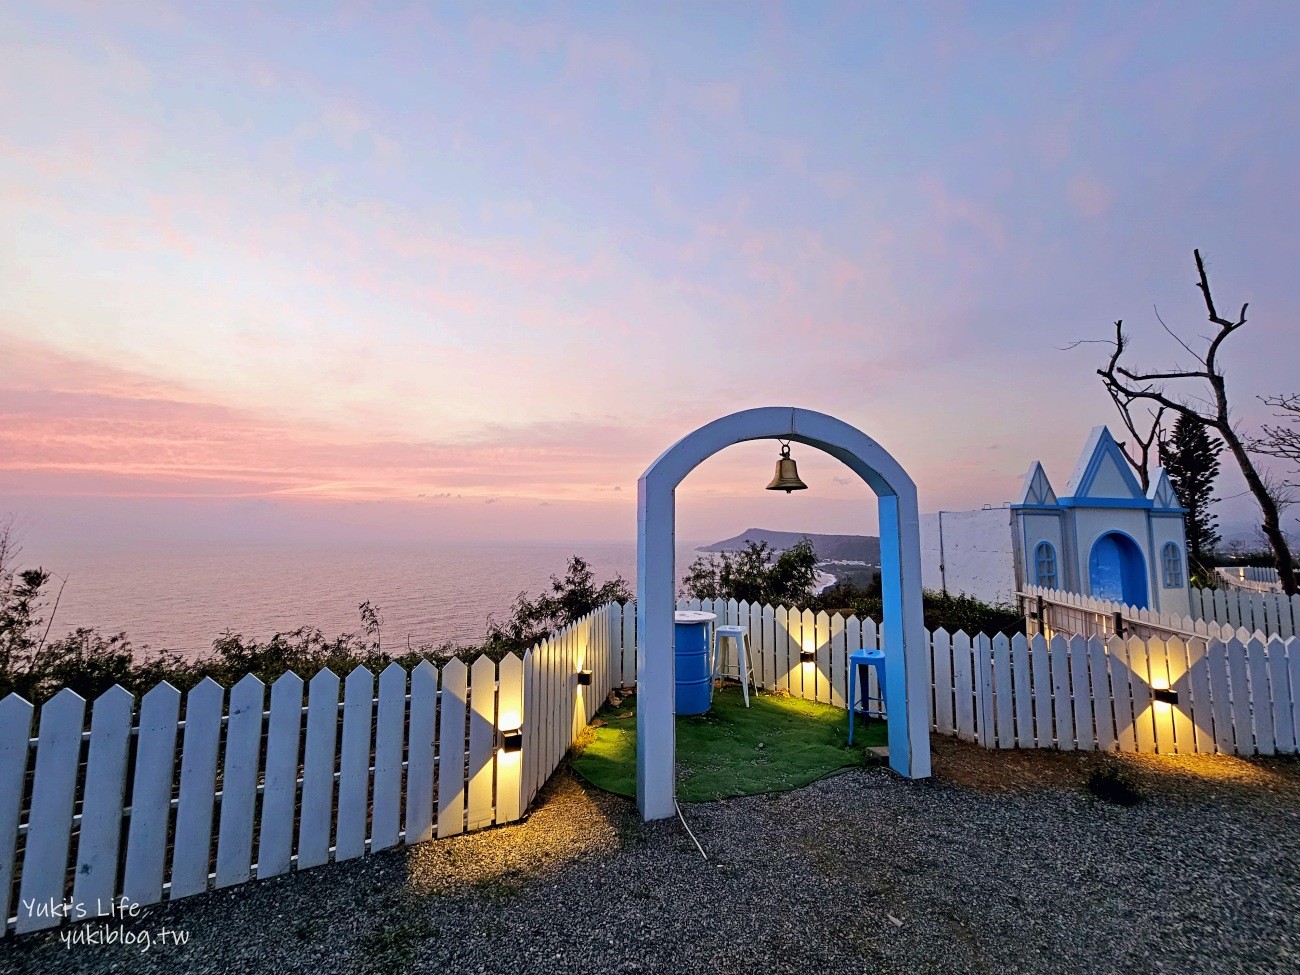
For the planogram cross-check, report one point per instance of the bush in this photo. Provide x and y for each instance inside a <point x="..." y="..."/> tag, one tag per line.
<point x="752" y="575"/>
<point x="568" y="600"/>
<point x="952" y="613"/>
<point x="1110" y="783"/>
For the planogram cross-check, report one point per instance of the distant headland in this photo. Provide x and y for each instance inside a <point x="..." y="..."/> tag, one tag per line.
<point x="830" y="548"/>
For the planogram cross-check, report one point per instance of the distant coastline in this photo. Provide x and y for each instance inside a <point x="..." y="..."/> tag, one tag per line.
<point x="841" y="558"/>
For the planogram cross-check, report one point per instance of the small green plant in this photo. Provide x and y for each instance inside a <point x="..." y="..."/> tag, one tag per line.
<point x="1111" y="783"/>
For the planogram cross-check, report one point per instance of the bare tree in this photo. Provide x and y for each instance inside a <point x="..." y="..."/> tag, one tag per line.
<point x="1129" y="385"/>
<point x="1139" y="457"/>
<point x="1281" y="441"/>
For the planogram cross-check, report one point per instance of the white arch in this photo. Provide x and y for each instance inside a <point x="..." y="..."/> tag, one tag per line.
<point x="907" y="686"/>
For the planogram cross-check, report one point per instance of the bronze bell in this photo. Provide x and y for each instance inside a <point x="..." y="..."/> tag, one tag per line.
<point x="787" y="474"/>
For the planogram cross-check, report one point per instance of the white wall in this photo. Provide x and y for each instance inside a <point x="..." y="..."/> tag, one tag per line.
<point x="978" y="557"/>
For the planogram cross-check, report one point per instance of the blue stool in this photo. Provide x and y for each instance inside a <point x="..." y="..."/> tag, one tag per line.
<point x="859" y="661"/>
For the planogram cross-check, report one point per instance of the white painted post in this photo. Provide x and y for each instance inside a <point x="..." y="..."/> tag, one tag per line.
<point x="390" y="732"/>
<point x="510" y="708"/>
<point x="49" y="823"/>
<point x="192" y="854"/>
<point x="419" y="769"/>
<point x="318" y="770"/>
<point x="151" y="795"/>
<point x="280" y="793"/>
<point x="15" y="730"/>
<point x="354" y="764"/>
<point x="239" y="782"/>
<point x="451" y="749"/>
<point x="95" y="880"/>
<point x="656" y="733"/>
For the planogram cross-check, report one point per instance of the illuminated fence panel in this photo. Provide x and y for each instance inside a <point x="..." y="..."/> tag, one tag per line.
<point x="188" y="801"/>
<point x="215" y="791"/>
<point x="1230" y="693"/>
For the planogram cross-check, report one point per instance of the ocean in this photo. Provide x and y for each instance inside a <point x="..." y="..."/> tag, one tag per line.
<point x="182" y="600"/>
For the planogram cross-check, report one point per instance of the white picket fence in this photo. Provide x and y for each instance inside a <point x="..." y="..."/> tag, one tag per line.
<point x="1224" y="614"/>
<point x="1254" y="577"/>
<point x="1268" y="612"/>
<point x="1238" y="695"/>
<point x="193" y="792"/>
<point x="176" y="797"/>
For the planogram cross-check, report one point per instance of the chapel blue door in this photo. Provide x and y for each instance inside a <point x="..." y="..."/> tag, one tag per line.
<point x="1117" y="571"/>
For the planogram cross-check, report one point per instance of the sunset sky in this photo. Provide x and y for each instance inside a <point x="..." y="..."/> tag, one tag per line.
<point x="367" y="270"/>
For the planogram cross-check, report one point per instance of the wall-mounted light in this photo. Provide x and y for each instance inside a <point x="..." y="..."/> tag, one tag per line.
<point x="1165" y="695"/>
<point x="512" y="740"/>
<point x="807" y="656"/>
<point x="584" y="678"/>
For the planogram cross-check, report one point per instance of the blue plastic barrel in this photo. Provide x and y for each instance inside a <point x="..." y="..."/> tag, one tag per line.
<point x="694" y="679"/>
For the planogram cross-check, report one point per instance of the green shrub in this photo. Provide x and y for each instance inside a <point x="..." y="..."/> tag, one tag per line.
<point x="753" y="575"/>
<point x="1112" y="784"/>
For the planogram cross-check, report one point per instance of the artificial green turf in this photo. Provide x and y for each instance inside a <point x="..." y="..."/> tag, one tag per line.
<point x="776" y="744"/>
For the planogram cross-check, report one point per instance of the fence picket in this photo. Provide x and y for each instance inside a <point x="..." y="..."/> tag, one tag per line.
<point x="451" y="748"/>
<point x="1292" y="646"/>
<point x="1140" y="689"/>
<point x="1081" y="692"/>
<point x="941" y="674"/>
<point x="419" y="762"/>
<point x="318" y="769"/>
<point x="839" y="661"/>
<point x="629" y="646"/>
<point x="151" y="795"/>
<point x="192" y="852"/>
<point x="49" y="823"/>
<point x="1059" y="661"/>
<point x="1122" y="682"/>
<point x="390" y="727"/>
<point x="1161" y="713"/>
<point x="1103" y="709"/>
<point x="1284" y="697"/>
<point x="963" y="675"/>
<point x="1022" y="693"/>
<point x="509" y="804"/>
<point x="1261" y="709"/>
<point x="821" y="628"/>
<point x="99" y="842"/>
<point x="15" y="729"/>
<point x="1199" y="709"/>
<point x="280" y="791"/>
<point x="239" y="772"/>
<point x="1002" y="692"/>
<point x="1180" y="683"/>
<point x="1243" y="729"/>
<point x="354" y="764"/>
<point x="482" y="740"/>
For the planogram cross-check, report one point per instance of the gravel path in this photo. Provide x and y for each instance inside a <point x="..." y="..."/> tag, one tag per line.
<point x="1000" y="863"/>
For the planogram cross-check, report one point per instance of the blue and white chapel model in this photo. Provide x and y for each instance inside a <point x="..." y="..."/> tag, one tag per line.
<point x="1102" y="537"/>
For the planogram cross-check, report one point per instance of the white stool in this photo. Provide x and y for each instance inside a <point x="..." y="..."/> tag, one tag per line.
<point x="738" y="635"/>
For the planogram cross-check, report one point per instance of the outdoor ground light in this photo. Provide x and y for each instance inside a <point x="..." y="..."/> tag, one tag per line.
<point x="584" y="678"/>
<point x="513" y="740"/>
<point x="1165" y="695"/>
<point x="787" y="474"/>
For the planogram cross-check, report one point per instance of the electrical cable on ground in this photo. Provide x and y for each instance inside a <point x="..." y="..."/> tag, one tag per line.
<point x="688" y="830"/>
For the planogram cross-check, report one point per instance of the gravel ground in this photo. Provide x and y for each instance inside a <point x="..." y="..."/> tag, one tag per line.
<point x="1001" y="863"/>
